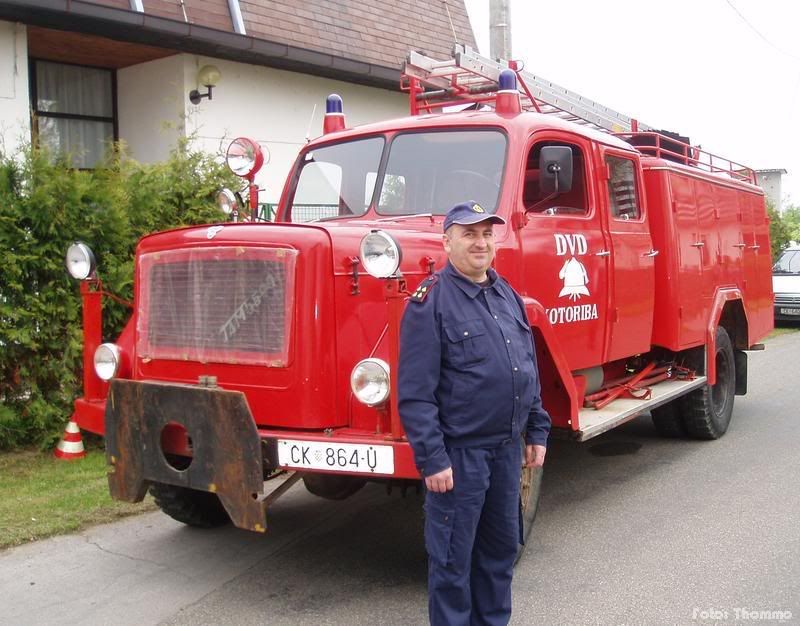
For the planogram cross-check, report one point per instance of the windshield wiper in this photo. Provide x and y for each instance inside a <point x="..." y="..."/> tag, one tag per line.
<point x="404" y="217"/>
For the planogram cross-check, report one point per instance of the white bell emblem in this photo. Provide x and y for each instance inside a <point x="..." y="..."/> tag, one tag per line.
<point x="575" y="279"/>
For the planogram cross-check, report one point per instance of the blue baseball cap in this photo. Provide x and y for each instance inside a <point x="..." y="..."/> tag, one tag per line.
<point x="468" y="213"/>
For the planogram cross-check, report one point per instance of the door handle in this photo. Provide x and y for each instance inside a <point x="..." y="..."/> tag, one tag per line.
<point x="698" y="244"/>
<point x="756" y="247"/>
<point x="740" y="245"/>
<point x="651" y="253"/>
<point x="602" y="253"/>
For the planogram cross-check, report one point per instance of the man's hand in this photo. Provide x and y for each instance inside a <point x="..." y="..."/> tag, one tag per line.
<point x="440" y="481"/>
<point x="534" y="455"/>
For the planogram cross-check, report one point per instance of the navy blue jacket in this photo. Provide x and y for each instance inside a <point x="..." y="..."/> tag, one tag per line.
<point x="467" y="373"/>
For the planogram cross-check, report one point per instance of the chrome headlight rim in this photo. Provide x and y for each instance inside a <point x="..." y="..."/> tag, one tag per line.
<point x="80" y="261"/>
<point x="244" y="157"/>
<point x="384" y="385"/>
<point x="106" y="361"/>
<point x="227" y="201"/>
<point x="382" y="265"/>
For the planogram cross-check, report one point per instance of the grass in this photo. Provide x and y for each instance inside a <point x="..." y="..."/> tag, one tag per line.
<point x="783" y="330"/>
<point x="44" y="496"/>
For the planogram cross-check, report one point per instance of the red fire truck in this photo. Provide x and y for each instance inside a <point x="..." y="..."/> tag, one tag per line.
<point x="257" y="350"/>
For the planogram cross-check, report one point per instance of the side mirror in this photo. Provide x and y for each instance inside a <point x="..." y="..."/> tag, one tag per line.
<point x="555" y="170"/>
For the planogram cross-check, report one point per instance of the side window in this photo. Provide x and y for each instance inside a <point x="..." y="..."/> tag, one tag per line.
<point x="622" y="197"/>
<point x="572" y="202"/>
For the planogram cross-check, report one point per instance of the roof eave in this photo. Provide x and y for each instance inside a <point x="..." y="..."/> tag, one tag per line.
<point x="131" y="26"/>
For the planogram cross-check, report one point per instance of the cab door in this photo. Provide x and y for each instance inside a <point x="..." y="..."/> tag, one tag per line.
<point x="562" y="242"/>
<point x="631" y="257"/>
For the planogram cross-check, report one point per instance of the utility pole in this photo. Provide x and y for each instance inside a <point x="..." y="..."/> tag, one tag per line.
<point x="500" y="29"/>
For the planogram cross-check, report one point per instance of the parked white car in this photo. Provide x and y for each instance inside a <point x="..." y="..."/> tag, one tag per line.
<point x="786" y="284"/>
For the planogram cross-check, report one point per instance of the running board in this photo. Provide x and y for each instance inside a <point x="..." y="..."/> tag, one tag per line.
<point x="593" y="422"/>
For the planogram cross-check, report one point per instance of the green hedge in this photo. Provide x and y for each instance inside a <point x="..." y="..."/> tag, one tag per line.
<point x="44" y="206"/>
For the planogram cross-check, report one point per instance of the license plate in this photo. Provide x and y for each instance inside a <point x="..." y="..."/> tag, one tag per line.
<point x="790" y="311"/>
<point x="340" y="457"/>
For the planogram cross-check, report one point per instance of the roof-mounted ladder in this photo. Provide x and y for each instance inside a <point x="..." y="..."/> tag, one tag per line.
<point x="469" y="77"/>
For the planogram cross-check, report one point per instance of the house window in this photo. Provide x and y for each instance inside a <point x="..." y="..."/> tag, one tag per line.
<point x="74" y="110"/>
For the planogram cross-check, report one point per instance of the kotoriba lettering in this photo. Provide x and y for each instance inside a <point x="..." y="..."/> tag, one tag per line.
<point x="572" y="244"/>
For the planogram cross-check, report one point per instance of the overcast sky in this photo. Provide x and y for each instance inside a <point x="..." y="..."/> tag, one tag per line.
<point x="724" y="72"/>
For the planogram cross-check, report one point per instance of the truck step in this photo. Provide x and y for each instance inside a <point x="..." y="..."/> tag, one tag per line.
<point x="593" y="422"/>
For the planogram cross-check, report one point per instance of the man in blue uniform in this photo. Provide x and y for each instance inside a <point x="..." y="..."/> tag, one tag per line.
<point x="468" y="392"/>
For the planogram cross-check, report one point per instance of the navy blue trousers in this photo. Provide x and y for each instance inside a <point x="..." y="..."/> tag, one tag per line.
<point x="472" y="534"/>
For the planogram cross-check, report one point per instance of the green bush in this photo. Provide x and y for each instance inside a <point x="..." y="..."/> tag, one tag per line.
<point x="44" y="206"/>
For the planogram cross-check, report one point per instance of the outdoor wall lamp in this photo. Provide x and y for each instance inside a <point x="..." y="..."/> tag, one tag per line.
<point x="208" y="76"/>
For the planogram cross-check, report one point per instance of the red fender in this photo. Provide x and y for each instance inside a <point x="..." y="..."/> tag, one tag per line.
<point x="721" y="297"/>
<point x="560" y="395"/>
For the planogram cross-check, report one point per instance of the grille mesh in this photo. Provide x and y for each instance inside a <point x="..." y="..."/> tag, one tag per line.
<point x="206" y="306"/>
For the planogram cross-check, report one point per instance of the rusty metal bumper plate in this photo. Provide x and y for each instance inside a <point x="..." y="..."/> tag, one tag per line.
<point x="226" y="446"/>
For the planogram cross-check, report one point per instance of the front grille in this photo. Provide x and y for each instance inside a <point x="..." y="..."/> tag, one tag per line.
<point x="224" y="305"/>
<point x="787" y="298"/>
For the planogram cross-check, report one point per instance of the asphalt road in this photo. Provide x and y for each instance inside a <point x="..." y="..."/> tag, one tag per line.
<point x="632" y="529"/>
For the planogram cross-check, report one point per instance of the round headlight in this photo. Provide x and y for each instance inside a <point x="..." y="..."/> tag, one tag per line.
<point x="106" y="361"/>
<point x="80" y="261"/>
<point x="227" y="202"/>
<point x="380" y="254"/>
<point x="370" y="381"/>
<point x="244" y="157"/>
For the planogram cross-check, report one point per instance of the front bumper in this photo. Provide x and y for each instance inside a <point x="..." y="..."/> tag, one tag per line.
<point x="230" y="456"/>
<point x="227" y="458"/>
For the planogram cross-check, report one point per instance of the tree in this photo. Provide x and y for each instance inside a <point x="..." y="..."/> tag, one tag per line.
<point x="779" y="231"/>
<point x="791" y="218"/>
<point x="45" y="204"/>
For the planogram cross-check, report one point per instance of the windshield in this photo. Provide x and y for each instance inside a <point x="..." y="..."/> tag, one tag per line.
<point x="789" y="263"/>
<point x="337" y="180"/>
<point x="432" y="172"/>
<point x="426" y="172"/>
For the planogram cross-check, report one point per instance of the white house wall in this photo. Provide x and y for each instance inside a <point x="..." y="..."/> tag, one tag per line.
<point x="275" y="108"/>
<point x="15" y="120"/>
<point x="150" y="107"/>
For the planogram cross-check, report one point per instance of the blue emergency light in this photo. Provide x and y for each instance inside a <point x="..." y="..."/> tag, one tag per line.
<point x="333" y="103"/>
<point x="508" y="80"/>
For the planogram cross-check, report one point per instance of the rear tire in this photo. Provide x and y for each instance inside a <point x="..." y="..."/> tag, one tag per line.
<point x="708" y="410"/>
<point x="200" y="509"/>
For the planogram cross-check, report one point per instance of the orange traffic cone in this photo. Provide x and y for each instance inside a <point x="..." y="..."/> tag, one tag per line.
<point x="71" y="445"/>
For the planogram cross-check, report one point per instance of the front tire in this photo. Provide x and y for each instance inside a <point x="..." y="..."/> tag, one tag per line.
<point x="708" y="410"/>
<point x="200" y="509"/>
<point x="530" y="488"/>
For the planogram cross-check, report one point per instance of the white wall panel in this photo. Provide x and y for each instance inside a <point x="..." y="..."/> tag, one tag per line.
<point x="275" y="107"/>
<point x="15" y="121"/>
<point x="151" y="108"/>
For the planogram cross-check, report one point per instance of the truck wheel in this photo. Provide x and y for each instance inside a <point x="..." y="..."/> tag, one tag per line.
<point x="333" y="487"/>
<point x="193" y="508"/>
<point x="708" y="409"/>
<point x="530" y="487"/>
<point x="668" y="420"/>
